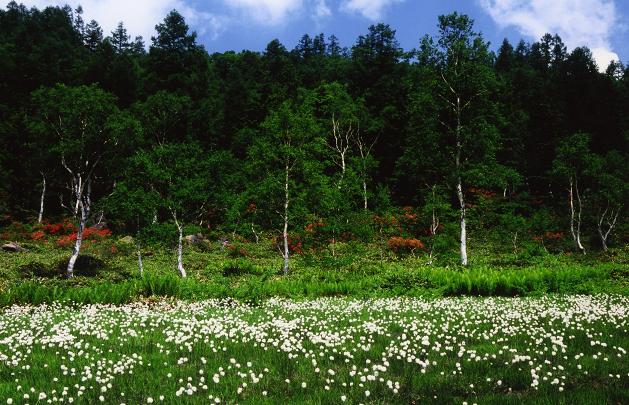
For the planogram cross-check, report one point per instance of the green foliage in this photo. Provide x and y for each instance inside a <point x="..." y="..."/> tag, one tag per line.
<point x="159" y="234"/>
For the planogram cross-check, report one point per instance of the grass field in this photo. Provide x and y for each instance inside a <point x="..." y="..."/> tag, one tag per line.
<point x="551" y="349"/>
<point x="36" y="276"/>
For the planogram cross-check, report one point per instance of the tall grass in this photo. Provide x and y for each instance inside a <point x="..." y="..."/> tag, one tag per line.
<point x="253" y="284"/>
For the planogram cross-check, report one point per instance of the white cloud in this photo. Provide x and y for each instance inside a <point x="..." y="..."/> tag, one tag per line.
<point x="578" y="22"/>
<point x="371" y="9"/>
<point x="267" y="12"/>
<point x="321" y="9"/>
<point x="139" y="16"/>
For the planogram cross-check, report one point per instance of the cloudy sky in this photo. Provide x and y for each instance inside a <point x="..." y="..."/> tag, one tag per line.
<point x="602" y="25"/>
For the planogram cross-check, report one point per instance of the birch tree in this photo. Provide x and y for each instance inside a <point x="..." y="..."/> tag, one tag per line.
<point x="178" y="179"/>
<point x="41" y="162"/>
<point x="340" y="116"/>
<point x="278" y="159"/>
<point x="610" y="192"/>
<point x="86" y="125"/>
<point x="463" y="82"/>
<point x="572" y="162"/>
<point x="132" y="206"/>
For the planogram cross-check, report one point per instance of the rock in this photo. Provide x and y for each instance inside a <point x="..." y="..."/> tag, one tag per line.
<point x="12" y="247"/>
<point x="194" y="239"/>
<point x="127" y="240"/>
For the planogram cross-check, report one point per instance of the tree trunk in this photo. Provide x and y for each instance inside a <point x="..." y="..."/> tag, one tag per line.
<point x="79" y="240"/>
<point x="571" y="200"/>
<point x="459" y="191"/>
<point x="603" y="239"/>
<point x="255" y="234"/>
<point x="576" y="233"/>
<point x="83" y="203"/>
<point x="576" y="189"/>
<point x="41" y="200"/>
<point x="433" y="228"/>
<point x="364" y="151"/>
<point x="139" y="247"/>
<point x="182" y="270"/>
<point x="459" y="185"/>
<point x="611" y="222"/>
<point x="140" y="265"/>
<point x="285" y="233"/>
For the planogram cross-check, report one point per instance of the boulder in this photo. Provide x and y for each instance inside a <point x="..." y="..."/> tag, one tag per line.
<point x="12" y="247"/>
<point x="194" y="239"/>
<point x="127" y="240"/>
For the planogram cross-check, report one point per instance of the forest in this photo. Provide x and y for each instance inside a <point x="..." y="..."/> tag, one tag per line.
<point x="330" y="223"/>
<point x="315" y="145"/>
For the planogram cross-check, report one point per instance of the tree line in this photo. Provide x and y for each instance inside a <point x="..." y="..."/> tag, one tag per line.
<point x="95" y="126"/>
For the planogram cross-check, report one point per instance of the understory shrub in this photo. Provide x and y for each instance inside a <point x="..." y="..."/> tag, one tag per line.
<point x="404" y="245"/>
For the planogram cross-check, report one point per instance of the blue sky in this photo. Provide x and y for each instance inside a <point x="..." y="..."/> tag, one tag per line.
<point x="222" y="25"/>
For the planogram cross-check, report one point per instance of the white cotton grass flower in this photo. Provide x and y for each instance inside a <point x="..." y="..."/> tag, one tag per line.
<point x="345" y="344"/>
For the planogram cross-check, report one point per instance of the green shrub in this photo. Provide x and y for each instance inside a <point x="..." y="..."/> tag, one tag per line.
<point x="239" y="267"/>
<point x="160" y="234"/>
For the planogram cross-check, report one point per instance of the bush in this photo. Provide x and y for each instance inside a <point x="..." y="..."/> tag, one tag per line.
<point x="37" y="269"/>
<point x="85" y="266"/>
<point x="239" y="268"/>
<point x="91" y="233"/>
<point x="404" y="245"/>
<point x="160" y="234"/>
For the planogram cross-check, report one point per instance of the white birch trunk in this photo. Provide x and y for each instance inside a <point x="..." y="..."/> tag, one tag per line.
<point x="79" y="239"/>
<point x="571" y="200"/>
<point x="575" y="223"/>
<point x="182" y="270"/>
<point x="459" y="191"/>
<point x="41" y="200"/>
<point x="255" y="234"/>
<point x="459" y="185"/>
<point x="611" y="222"/>
<point x="576" y="189"/>
<point x="433" y="228"/>
<point x="140" y="264"/>
<point x="364" y="151"/>
<point x="139" y="248"/>
<point x="285" y="233"/>
<point x="603" y="239"/>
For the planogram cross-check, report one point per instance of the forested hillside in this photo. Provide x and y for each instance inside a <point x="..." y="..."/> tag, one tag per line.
<point x="523" y="147"/>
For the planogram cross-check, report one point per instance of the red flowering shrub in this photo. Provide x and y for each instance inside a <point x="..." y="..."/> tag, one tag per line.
<point x="89" y="234"/>
<point x="404" y="245"/>
<point x="38" y="235"/>
<point x="62" y="228"/>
